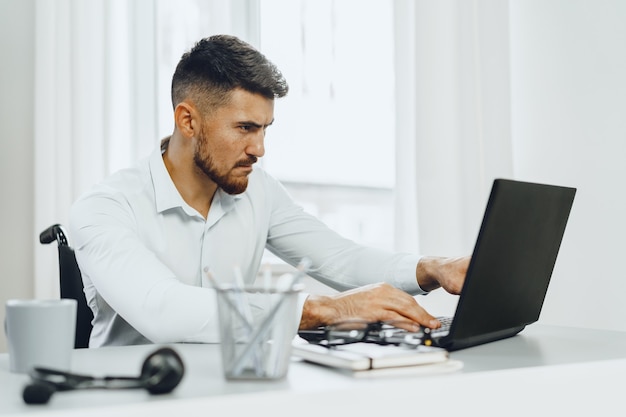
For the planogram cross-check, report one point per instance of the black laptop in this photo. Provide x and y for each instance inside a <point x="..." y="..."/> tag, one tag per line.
<point x="511" y="265"/>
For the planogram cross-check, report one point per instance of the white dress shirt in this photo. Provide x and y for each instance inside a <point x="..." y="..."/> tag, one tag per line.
<point x="142" y="251"/>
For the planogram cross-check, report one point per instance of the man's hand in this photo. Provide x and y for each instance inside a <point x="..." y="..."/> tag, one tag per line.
<point x="376" y="302"/>
<point x="383" y="302"/>
<point x="447" y="273"/>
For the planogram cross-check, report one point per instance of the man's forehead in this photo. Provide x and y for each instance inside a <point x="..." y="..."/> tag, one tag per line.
<point x="244" y="106"/>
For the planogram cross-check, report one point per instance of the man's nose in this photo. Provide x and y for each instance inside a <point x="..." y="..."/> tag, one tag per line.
<point x="257" y="145"/>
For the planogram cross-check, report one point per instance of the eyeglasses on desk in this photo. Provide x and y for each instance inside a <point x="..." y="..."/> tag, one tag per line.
<point x="353" y="331"/>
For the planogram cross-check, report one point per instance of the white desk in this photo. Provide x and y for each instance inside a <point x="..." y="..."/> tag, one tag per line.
<point x="544" y="369"/>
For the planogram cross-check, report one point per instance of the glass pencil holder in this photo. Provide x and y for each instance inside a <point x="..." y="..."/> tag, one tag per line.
<point x="257" y="328"/>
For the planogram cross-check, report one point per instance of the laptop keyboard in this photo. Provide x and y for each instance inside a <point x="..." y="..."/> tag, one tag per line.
<point x="446" y="322"/>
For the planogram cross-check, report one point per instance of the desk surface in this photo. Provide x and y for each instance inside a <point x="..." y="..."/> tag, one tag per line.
<point x="580" y="371"/>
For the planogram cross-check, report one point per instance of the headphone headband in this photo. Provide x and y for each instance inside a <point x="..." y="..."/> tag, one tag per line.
<point x="161" y="372"/>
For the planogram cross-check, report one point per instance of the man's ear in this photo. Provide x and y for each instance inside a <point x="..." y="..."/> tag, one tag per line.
<point x="185" y="117"/>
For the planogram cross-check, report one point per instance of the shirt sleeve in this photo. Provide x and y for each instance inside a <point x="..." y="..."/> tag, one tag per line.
<point x="132" y="280"/>
<point x="336" y="261"/>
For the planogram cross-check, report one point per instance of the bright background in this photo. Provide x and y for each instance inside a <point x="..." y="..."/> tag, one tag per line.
<point x="447" y="95"/>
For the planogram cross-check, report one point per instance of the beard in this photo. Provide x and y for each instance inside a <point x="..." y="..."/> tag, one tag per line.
<point x="204" y="161"/>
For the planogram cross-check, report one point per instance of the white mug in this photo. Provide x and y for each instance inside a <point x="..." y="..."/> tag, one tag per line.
<point x="40" y="333"/>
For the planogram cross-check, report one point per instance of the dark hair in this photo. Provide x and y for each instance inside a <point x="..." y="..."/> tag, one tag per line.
<point x="219" y="64"/>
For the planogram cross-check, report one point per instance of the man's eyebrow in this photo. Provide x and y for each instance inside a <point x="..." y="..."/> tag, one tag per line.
<point x="255" y="124"/>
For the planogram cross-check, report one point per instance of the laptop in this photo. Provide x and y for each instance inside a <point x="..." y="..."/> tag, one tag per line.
<point x="511" y="265"/>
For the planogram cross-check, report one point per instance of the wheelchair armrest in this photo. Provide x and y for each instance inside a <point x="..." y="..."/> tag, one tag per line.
<point x="52" y="233"/>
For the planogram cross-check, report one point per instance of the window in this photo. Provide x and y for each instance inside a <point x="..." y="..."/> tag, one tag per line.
<point x="332" y="143"/>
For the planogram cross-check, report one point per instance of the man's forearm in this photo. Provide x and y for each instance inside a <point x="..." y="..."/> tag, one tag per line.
<point x="425" y="273"/>
<point x="317" y="311"/>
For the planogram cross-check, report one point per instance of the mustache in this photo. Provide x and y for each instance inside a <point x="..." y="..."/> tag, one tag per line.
<point x="247" y="162"/>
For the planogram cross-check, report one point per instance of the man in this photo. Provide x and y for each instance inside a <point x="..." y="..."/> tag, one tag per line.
<point x="144" y="236"/>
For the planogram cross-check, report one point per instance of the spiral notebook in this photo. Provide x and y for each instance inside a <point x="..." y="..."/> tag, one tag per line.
<point x="368" y="356"/>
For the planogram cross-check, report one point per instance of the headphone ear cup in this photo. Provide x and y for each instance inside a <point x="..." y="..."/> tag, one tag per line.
<point x="38" y="392"/>
<point x="162" y="371"/>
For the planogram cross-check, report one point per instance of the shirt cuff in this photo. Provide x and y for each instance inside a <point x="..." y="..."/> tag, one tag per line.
<point x="302" y="296"/>
<point x="404" y="276"/>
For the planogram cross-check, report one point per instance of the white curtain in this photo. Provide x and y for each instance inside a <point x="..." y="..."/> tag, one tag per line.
<point x="94" y="104"/>
<point x="101" y="69"/>
<point x="453" y="115"/>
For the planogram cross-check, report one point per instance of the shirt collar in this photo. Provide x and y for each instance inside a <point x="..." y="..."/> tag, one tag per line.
<point x="167" y="196"/>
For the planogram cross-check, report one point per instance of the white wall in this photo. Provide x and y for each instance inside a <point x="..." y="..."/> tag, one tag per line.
<point x="568" y="126"/>
<point x="568" y="61"/>
<point x="16" y="152"/>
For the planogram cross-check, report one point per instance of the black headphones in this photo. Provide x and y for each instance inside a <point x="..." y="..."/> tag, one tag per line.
<point x="161" y="372"/>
